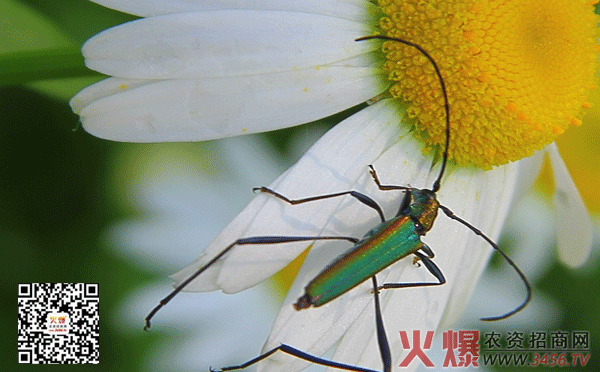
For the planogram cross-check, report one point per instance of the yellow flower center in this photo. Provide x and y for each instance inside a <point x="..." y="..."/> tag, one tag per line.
<point x="518" y="72"/>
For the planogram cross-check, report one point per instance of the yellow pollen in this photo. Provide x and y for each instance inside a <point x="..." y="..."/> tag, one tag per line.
<point x="518" y="72"/>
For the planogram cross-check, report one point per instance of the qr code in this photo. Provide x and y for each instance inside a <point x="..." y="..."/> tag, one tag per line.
<point x="58" y="323"/>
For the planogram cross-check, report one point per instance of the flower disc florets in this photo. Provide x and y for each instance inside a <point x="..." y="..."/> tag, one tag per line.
<point x="518" y="72"/>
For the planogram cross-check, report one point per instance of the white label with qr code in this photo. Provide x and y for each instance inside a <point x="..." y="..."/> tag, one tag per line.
<point x="58" y="323"/>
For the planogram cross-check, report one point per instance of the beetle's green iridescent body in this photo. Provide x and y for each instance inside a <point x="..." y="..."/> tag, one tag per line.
<point x="383" y="245"/>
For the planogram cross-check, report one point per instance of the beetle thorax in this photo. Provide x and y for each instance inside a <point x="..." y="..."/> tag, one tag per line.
<point x="423" y="207"/>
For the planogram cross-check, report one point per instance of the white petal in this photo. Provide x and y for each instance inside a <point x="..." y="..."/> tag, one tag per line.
<point x="334" y="163"/>
<point x="529" y="170"/>
<point x="105" y="88"/>
<point x="460" y="254"/>
<point x="485" y="202"/>
<point x="350" y="9"/>
<point x="573" y="223"/>
<point x="224" y="43"/>
<point x="196" y="110"/>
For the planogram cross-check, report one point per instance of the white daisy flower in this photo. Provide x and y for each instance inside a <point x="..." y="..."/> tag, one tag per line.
<point x="198" y="70"/>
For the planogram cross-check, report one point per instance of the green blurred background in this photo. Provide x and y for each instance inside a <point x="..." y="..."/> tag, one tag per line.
<point x="59" y="188"/>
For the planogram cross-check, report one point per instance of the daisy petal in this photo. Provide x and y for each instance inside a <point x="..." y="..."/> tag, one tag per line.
<point x="223" y="43"/>
<point x="529" y="170"/>
<point x="573" y="223"/>
<point x="485" y="203"/>
<point x="333" y="161"/>
<point x="349" y="9"/>
<point x="102" y="89"/>
<point x="196" y="110"/>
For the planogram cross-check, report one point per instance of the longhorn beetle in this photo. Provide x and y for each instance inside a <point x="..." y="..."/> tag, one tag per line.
<point x="380" y="247"/>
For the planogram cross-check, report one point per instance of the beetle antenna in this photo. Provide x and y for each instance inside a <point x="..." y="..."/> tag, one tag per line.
<point x="436" y="184"/>
<point x="450" y="214"/>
